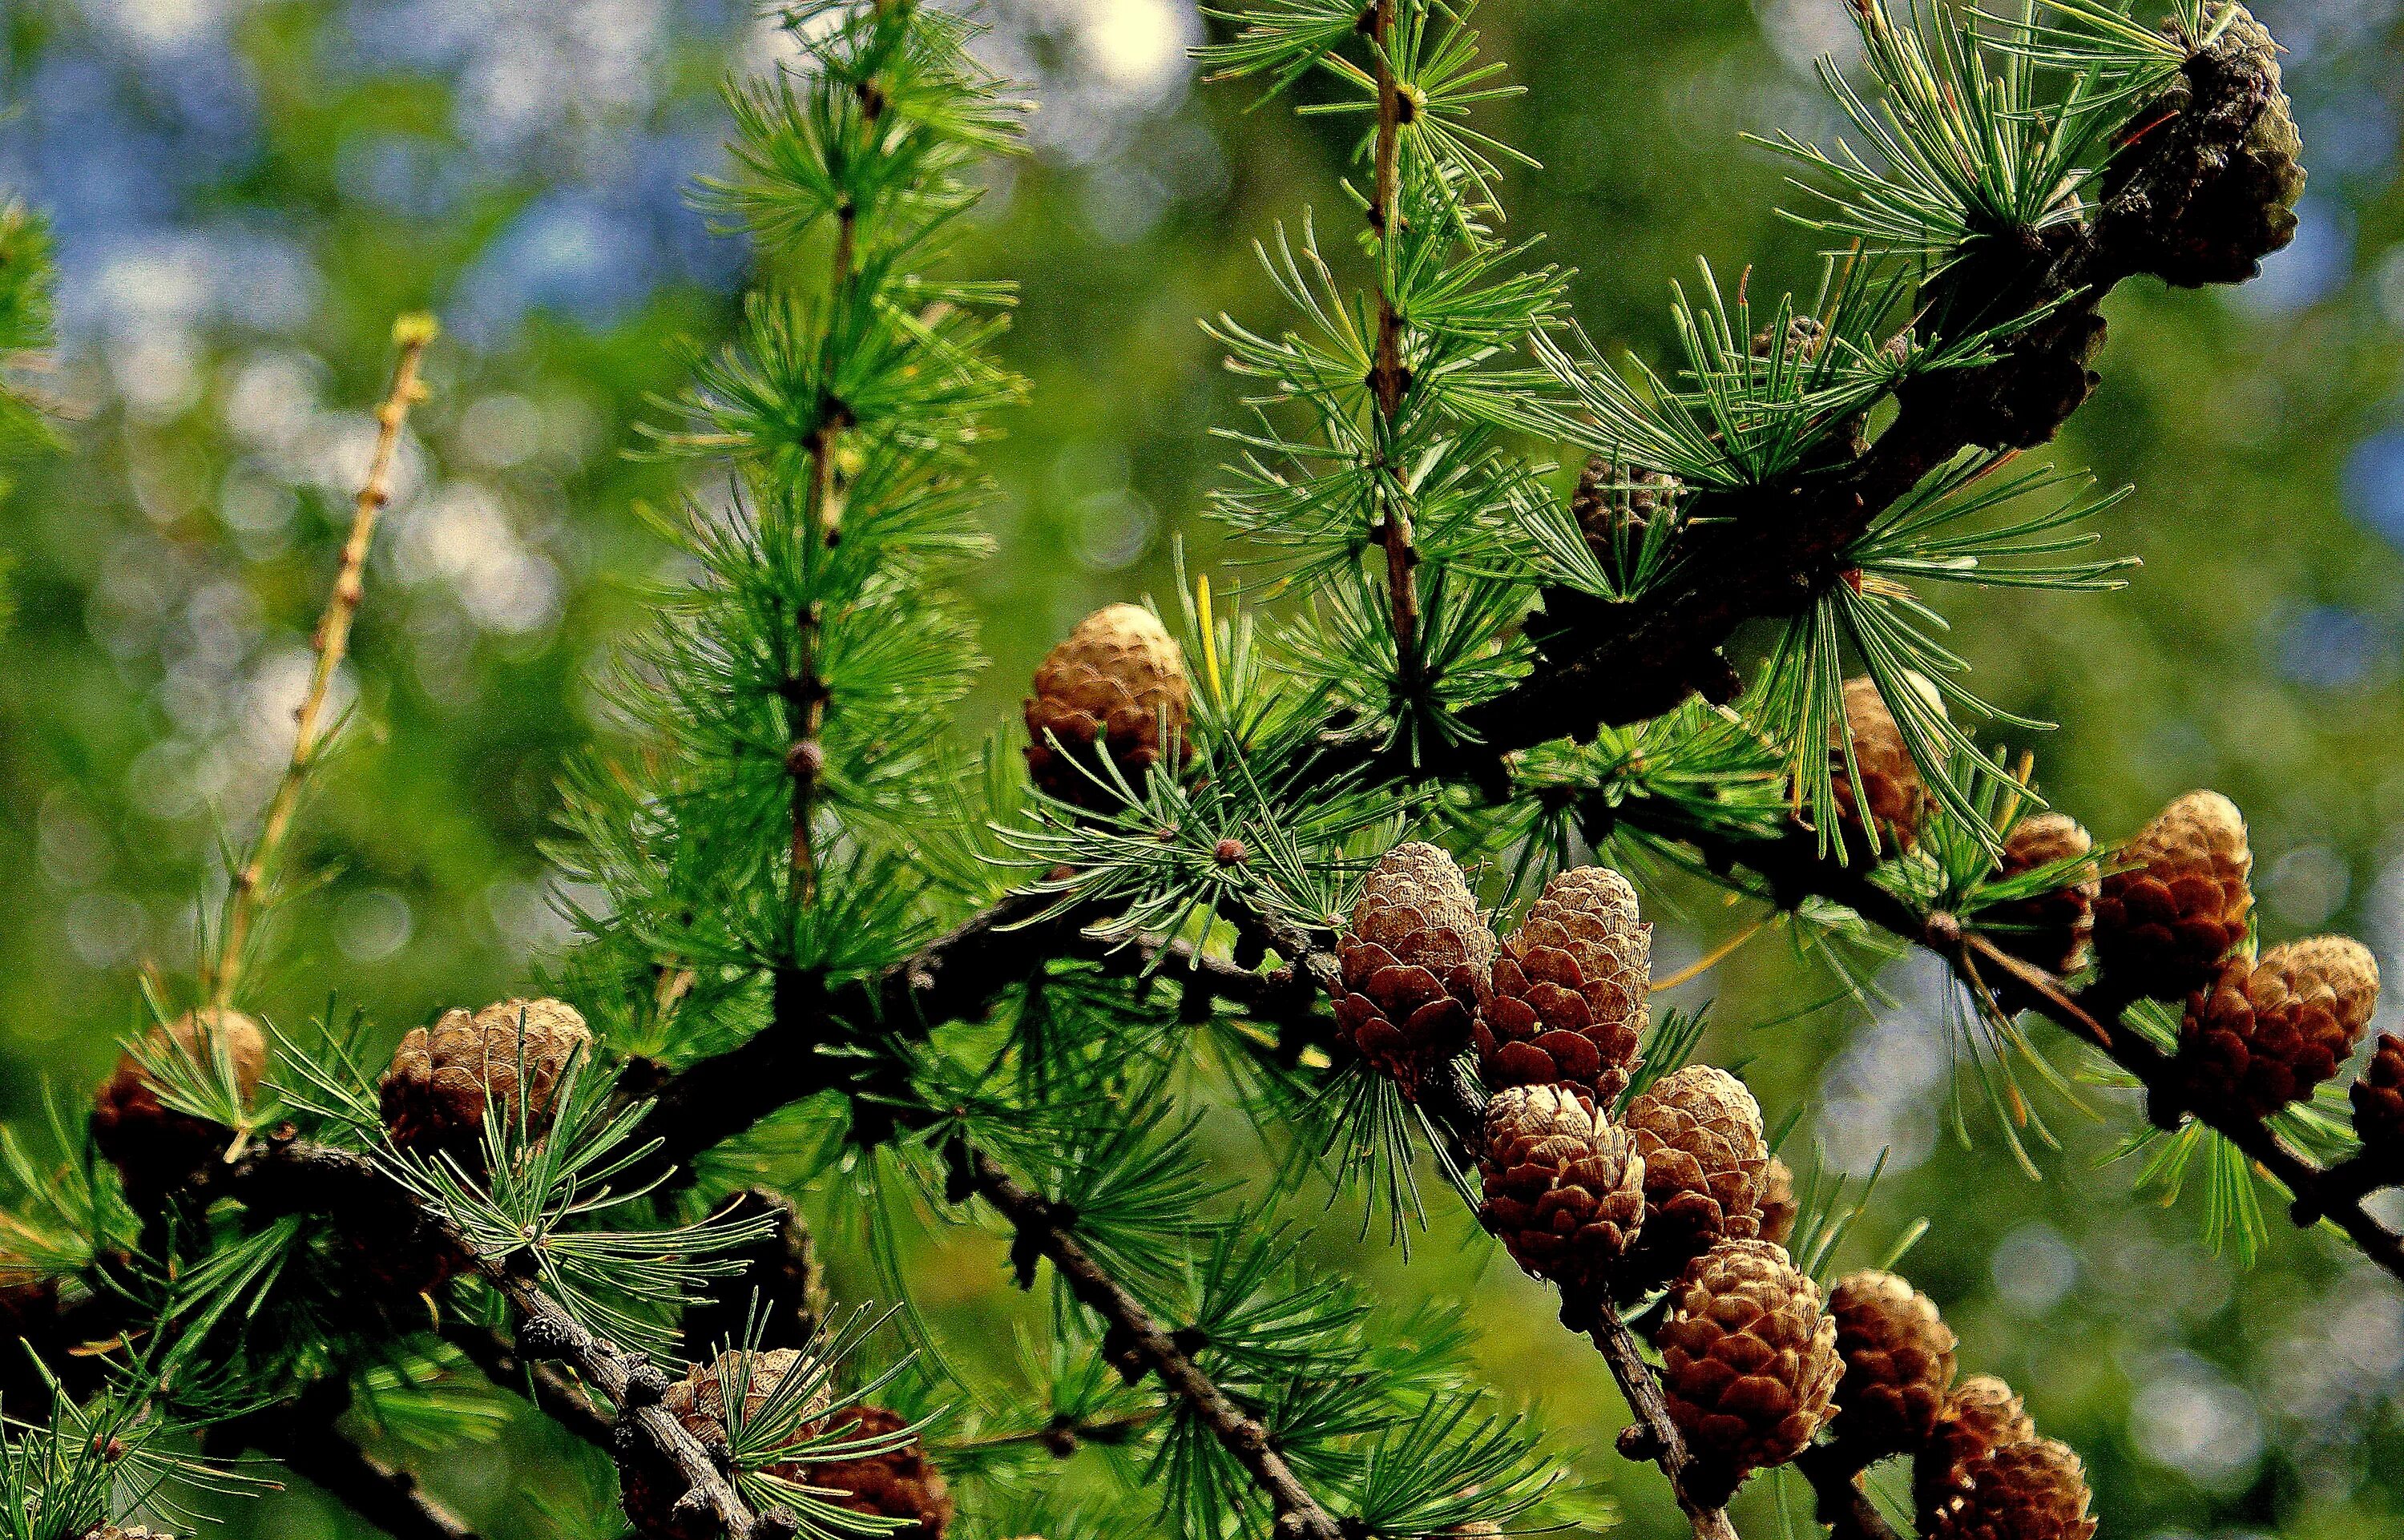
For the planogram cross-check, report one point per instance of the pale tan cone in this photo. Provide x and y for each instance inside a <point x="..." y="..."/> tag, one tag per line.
<point x="1898" y="1356"/>
<point x="1890" y="795"/>
<point x="1115" y="689"/>
<point x="1699" y="1131"/>
<point x="151" y="1143"/>
<point x="510" y="1055"/>
<point x="2269" y="1032"/>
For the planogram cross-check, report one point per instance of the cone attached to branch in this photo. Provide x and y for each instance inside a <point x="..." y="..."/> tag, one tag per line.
<point x="508" y="1056"/>
<point x="699" y="1401"/>
<point x="1413" y="959"/>
<point x="900" y="1483"/>
<point x="1614" y="505"/>
<point x="1890" y="798"/>
<point x="1748" y="1361"/>
<point x="2379" y="1105"/>
<point x="1567" y="1002"/>
<point x="1983" y="1415"/>
<point x="2267" y="1033"/>
<point x="2243" y="208"/>
<point x="155" y="1146"/>
<point x="2164" y="922"/>
<point x="2048" y="930"/>
<point x="1898" y="1356"/>
<point x="1112" y="697"/>
<point x="1699" y="1132"/>
<point x="2035" y="1489"/>
<point x="1564" y="1188"/>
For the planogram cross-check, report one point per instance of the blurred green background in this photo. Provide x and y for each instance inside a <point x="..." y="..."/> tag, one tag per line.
<point x="245" y="193"/>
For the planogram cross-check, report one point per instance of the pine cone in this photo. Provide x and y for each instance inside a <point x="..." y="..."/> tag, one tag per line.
<point x="2379" y="1103"/>
<point x="2049" y="930"/>
<point x="1748" y="1360"/>
<point x="1615" y="503"/>
<point x="1891" y="787"/>
<point x="1899" y="1355"/>
<point x="1115" y="687"/>
<point x="1981" y="1415"/>
<point x="2162" y="924"/>
<point x="154" y="1146"/>
<point x="699" y="1402"/>
<point x="2266" y="1033"/>
<point x="1778" y="1207"/>
<point x="2031" y="1490"/>
<point x="1567" y="1002"/>
<point x="2245" y="207"/>
<point x="443" y="1077"/>
<point x="779" y="1297"/>
<point x="1413" y="960"/>
<point x="1698" y="1133"/>
<point x="900" y="1483"/>
<point x="1564" y="1187"/>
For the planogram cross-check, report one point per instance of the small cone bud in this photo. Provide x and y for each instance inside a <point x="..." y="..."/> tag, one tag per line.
<point x="1564" y="1189"/>
<point x="2031" y="1490"/>
<point x="1748" y="1360"/>
<point x="1778" y="1207"/>
<point x="1115" y="690"/>
<point x="1898" y="1356"/>
<point x="2378" y="1104"/>
<point x="2048" y="930"/>
<point x="2266" y="1033"/>
<point x="2164" y="922"/>
<point x="1413" y="959"/>
<point x="1890" y="788"/>
<point x="1699" y="1132"/>
<point x="1981" y="1415"/>
<point x="508" y="1056"/>
<point x="1567" y="1002"/>
<point x="153" y="1145"/>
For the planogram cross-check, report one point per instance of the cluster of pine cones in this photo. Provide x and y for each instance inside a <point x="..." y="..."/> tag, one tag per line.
<point x="2167" y="917"/>
<point x="1613" y="1196"/>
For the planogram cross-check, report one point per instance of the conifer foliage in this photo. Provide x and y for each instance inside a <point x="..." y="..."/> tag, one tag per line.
<point x="1371" y="865"/>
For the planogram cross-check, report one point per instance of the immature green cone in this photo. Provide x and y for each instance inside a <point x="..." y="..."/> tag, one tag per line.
<point x="2244" y="206"/>
<point x="1898" y="1356"/>
<point x="1778" y="1210"/>
<point x="1564" y="1188"/>
<point x="1889" y="790"/>
<point x="2031" y="1490"/>
<point x="2267" y="1033"/>
<point x="1699" y="1132"/>
<point x="1748" y="1360"/>
<point x="1115" y="690"/>
<point x="1981" y="1415"/>
<point x="2165" y="921"/>
<point x="2049" y="930"/>
<point x="153" y="1145"/>
<point x="1413" y="959"/>
<point x="508" y="1055"/>
<point x="2378" y="1104"/>
<point x="1566" y="1005"/>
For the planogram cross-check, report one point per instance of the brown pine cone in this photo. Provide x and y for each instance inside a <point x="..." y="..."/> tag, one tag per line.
<point x="1564" y="1188"/>
<point x="2266" y="1033"/>
<point x="1413" y="960"/>
<point x="1699" y="1132"/>
<point x="2164" y="923"/>
<point x="444" y="1076"/>
<point x="1748" y="1360"/>
<point x="1778" y="1210"/>
<point x="1981" y="1415"/>
<point x="900" y="1483"/>
<point x="1891" y="787"/>
<point x="2049" y="930"/>
<point x="154" y="1146"/>
<point x="1615" y="503"/>
<point x="1115" y="687"/>
<point x="1567" y="1001"/>
<point x="699" y="1402"/>
<point x="2031" y="1490"/>
<point x="2245" y="207"/>
<point x="2379" y="1101"/>
<point x="1898" y="1356"/>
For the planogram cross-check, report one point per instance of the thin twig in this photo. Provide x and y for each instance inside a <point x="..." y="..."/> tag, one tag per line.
<point x="1388" y="378"/>
<point x="411" y="335"/>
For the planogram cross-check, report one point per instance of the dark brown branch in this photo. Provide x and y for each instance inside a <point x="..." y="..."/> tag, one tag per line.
<point x="1299" y="1517"/>
<point x="384" y="1495"/>
<point x="1842" y="1504"/>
